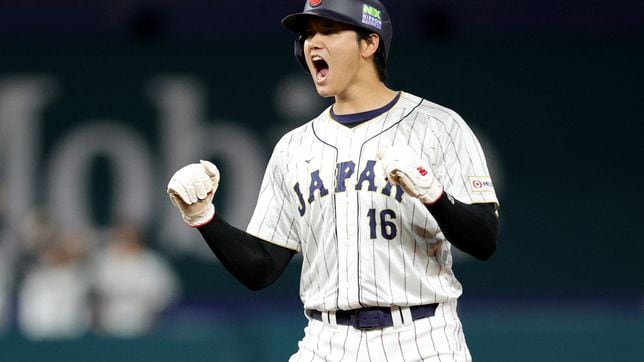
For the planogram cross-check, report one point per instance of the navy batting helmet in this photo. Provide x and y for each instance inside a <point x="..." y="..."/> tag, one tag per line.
<point x="370" y="15"/>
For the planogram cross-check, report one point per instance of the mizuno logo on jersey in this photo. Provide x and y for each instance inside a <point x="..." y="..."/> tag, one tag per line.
<point x="343" y="171"/>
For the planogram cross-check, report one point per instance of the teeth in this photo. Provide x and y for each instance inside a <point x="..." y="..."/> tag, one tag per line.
<point x="316" y="58"/>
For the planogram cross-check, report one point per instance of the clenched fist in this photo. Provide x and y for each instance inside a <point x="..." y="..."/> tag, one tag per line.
<point x="191" y="190"/>
<point x="403" y="167"/>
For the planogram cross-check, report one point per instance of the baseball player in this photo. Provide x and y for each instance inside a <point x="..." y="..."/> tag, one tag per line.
<point x="374" y="193"/>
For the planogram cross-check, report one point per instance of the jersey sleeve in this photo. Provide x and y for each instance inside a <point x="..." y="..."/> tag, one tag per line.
<point x="273" y="218"/>
<point x="462" y="167"/>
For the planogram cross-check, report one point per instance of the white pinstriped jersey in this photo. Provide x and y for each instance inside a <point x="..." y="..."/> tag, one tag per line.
<point x="364" y="242"/>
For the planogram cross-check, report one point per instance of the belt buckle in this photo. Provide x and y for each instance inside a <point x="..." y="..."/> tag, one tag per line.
<point x="367" y="319"/>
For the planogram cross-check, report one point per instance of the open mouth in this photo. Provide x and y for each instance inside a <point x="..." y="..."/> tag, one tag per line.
<point x="321" y="67"/>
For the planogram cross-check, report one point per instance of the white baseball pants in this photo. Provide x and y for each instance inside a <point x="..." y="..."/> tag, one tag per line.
<point x="439" y="338"/>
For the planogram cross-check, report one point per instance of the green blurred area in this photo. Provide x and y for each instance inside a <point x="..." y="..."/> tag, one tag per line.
<point x="550" y="336"/>
<point x="563" y="122"/>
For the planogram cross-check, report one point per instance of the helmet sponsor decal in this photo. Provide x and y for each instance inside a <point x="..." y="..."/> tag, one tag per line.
<point x="371" y="16"/>
<point x="315" y="3"/>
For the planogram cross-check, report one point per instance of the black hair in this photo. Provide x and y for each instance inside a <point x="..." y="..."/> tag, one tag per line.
<point x="380" y="60"/>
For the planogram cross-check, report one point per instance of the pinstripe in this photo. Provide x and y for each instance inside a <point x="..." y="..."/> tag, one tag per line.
<point x="431" y="337"/>
<point x="283" y="203"/>
<point x="445" y="162"/>
<point x="291" y="229"/>
<point x="445" y="329"/>
<point x="428" y="249"/>
<point x="454" y="337"/>
<point x="344" y="344"/>
<point x="317" y="344"/>
<point x="389" y="278"/>
<point x="358" y="239"/>
<point x="361" y="334"/>
<point x="309" y="262"/>
<point x="404" y="257"/>
<point x="457" y="329"/>
<point x="411" y="127"/>
<point x="337" y="249"/>
<point x="375" y="269"/>
<point x="310" y="235"/>
<point x="400" y="347"/>
<point x="261" y="223"/>
<point x="384" y="346"/>
<point x="368" y="349"/>
<point x="331" y="343"/>
<point x="306" y="262"/>
<point x="458" y="159"/>
<point x="416" y="339"/>
<point x="413" y="255"/>
<point x="440" y="271"/>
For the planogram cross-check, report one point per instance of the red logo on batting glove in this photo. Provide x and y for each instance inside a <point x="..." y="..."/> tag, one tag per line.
<point x="422" y="171"/>
<point x="314" y="3"/>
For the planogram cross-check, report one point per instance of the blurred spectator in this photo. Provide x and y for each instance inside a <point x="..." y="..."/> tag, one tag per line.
<point x="6" y="282"/>
<point x="6" y="266"/>
<point x="35" y="233"/>
<point x="53" y="299"/>
<point x="133" y="285"/>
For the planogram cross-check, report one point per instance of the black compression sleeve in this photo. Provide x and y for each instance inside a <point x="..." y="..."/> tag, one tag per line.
<point x="254" y="262"/>
<point x="471" y="228"/>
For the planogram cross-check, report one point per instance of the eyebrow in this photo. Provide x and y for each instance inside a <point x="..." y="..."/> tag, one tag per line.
<point x="327" y="23"/>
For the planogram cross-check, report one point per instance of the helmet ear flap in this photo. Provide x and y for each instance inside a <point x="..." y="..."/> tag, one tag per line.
<point x="298" y="49"/>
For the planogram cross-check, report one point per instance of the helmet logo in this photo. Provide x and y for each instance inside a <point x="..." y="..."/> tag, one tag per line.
<point x="371" y="16"/>
<point x="315" y="3"/>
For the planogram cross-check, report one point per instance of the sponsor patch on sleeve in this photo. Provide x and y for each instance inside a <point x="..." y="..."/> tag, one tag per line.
<point x="481" y="184"/>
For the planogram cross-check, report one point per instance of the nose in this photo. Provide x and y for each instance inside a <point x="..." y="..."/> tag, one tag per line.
<point x="314" y="41"/>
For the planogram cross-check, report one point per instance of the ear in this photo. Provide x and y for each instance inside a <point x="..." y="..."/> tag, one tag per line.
<point x="369" y="46"/>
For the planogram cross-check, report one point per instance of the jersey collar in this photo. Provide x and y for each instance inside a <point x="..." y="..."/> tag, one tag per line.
<point x="354" y="119"/>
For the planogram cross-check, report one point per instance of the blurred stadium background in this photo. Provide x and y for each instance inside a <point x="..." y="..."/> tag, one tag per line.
<point x="98" y="98"/>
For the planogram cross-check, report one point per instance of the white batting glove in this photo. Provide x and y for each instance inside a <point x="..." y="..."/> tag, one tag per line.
<point x="191" y="190"/>
<point x="403" y="167"/>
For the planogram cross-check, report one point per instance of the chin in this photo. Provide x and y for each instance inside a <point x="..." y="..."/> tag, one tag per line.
<point x="324" y="92"/>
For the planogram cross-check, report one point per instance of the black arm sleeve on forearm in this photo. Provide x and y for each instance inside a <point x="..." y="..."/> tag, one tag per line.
<point x="254" y="262"/>
<point x="471" y="228"/>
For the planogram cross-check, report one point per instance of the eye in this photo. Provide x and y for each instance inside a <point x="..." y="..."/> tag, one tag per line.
<point x="328" y="30"/>
<point x="325" y="31"/>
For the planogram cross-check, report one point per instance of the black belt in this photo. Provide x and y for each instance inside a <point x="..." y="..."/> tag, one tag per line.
<point x="374" y="317"/>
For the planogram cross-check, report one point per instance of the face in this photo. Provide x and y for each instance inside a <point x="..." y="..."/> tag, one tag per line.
<point x="332" y="53"/>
